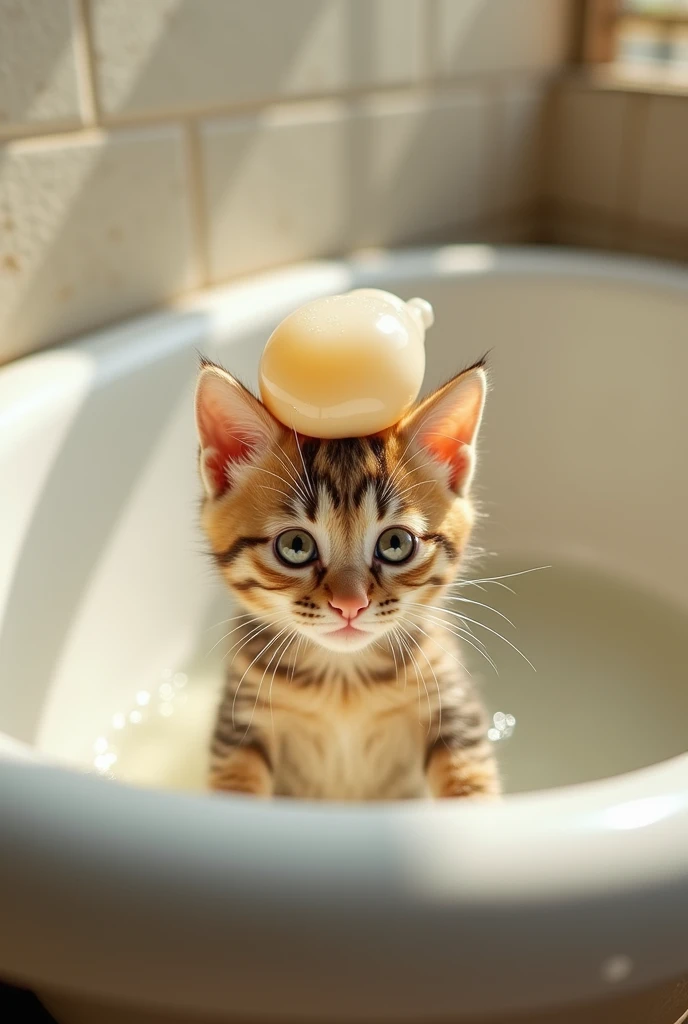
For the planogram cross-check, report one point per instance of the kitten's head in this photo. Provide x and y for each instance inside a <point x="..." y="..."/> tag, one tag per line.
<point x="338" y="540"/>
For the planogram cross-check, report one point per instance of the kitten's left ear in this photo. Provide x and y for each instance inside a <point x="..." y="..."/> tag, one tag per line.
<point x="445" y="425"/>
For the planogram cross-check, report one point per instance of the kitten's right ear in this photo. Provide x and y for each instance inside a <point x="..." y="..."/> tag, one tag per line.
<point x="232" y="426"/>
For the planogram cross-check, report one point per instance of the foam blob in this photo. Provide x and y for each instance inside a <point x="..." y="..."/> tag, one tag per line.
<point x="346" y="365"/>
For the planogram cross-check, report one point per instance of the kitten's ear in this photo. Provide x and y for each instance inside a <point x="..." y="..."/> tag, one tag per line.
<point x="445" y="425"/>
<point x="232" y="426"/>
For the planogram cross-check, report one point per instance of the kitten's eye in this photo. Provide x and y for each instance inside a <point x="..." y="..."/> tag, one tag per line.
<point x="395" y="545"/>
<point x="296" y="547"/>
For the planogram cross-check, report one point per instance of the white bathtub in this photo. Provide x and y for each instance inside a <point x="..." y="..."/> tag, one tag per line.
<point x="111" y="893"/>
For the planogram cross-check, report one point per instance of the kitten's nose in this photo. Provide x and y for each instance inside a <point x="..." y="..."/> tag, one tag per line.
<point x="349" y="605"/>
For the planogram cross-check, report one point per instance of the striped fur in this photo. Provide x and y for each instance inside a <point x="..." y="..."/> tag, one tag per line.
<point x="391" y="715"/>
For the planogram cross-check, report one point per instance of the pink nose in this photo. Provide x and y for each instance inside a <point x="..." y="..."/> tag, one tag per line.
<point x="350" y="605"/>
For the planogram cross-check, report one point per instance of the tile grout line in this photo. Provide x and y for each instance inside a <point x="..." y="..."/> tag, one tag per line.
<point x="429" y="57"/>
<point x="197" y="201"/>
<point x="493" y="127"/>
<point x="85" y="63"/>
<point x="547" y="161"/>
<point x="437" y="87"/>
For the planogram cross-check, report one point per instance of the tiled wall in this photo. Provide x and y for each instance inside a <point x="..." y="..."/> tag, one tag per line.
<point x="617" y="169"/>
<point x="151" y="147"/>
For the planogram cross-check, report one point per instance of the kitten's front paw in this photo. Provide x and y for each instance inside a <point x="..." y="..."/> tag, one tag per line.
<point x="243" y="771"/>
<point x="456" y="774"/>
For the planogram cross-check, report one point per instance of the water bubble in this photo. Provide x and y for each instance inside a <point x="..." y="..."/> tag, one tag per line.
<point x="166" y="709"/>
<point x="135" y="717"/>
<point x="102" y="762"/>
<point x="166" y="691"/>
<point x="100" y="745"/>
<point x="180" y="680"/>
<point x="503" y="726"/>
<point x="616" y="968"/>
<point x="118" y="721"/>
<point x="142" y="698"/>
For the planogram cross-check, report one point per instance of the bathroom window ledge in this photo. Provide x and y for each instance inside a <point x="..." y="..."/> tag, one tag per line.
<point x="635" y="45"/>
<point x="617" y="78"/>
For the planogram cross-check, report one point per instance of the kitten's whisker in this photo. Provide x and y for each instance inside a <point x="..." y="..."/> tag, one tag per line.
<point x="466" y="638"/>
<point x="252" y="634"/>
<point x="288" y="484"/>
<point x="226" y="622"/>
<point x="303" y="463"/>
<point x="495" y="632"/>
<point x="395" y="632"/>
<point x="436" y="433"/>
<point x="290" y="640"/>
<point x="246" y="671"/>
<point x="409" y="654"/>
<point x="506" y="576"/>
<point x="295" y="659"/>
<point x="467" y="600"/>
<point x="262" y="624"/>
<point x="267" y="487"/>
<point x="394" y="655"/>
<point x="402" y="462"/>
<point x="473" y="583"/>
<point x="481" y="604"/>
<point x="295" y="480"/>
<point x="439" y="692"/>
<point x="412" y="487"/>
<point x="294" y="475"/>
<point x="240" y="626"/>
<point x="446" y="611"/>
<point x="419" y="673"/>
<point x="434" y="641"/>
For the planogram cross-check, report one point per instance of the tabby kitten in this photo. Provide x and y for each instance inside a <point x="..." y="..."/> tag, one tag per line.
<point x="343" y="683"/>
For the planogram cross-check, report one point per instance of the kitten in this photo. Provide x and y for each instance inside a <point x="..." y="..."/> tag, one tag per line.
<point x="343" y="684"/>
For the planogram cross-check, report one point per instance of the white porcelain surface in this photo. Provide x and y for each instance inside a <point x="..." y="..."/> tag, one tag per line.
<point x="113" y="891"/>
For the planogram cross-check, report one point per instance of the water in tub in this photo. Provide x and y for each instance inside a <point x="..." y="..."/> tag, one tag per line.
<point x="608" y="693"/>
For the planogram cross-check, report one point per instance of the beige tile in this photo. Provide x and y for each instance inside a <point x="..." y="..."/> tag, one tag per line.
<point x="422" y="167"/>
<point x="663" y="185"/>
<point x="38" y="77"/>
<point x="586" y="156"/>
<point x="275" y="189"/>
<point x="191" y="54"/>
<point x="91" y="229"/>
<point x="322" y="179"/>
<point x="480" y="36"/>
<point x="518" y="165"/>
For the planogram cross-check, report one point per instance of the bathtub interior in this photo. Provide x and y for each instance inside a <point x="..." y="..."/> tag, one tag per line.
<point x="109" y="607"/>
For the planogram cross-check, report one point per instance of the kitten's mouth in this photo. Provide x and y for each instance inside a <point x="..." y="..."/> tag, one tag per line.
<point x="348" y="631"/>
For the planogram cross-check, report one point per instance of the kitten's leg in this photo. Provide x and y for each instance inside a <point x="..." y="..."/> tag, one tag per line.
<point x="242" y="751"/>
<point x="242" y="769"/>
<point x="453" y="771"/>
